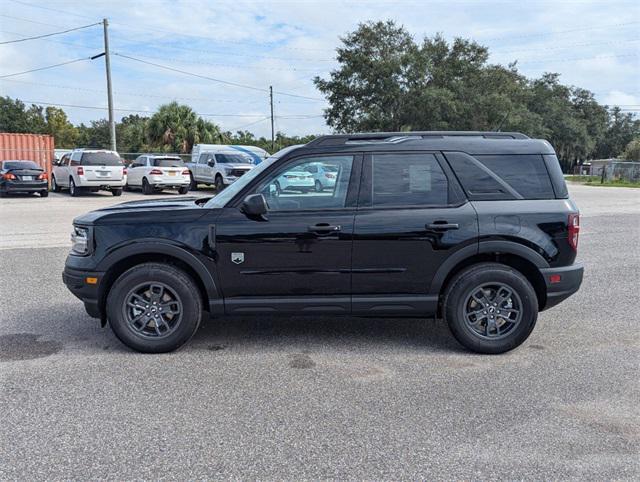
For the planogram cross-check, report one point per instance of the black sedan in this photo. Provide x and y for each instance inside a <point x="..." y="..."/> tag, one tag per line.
<point x="23" y="176"/>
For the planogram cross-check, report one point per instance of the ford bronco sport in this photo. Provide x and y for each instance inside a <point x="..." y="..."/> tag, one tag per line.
<point x="474" y="227"/>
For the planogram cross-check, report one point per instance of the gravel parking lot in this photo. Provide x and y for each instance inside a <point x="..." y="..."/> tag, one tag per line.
<point x="318" y="398"/>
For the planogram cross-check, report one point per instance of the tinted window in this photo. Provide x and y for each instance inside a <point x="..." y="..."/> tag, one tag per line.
<point x="478" y="182"/>
<point x="526" y="174"/>
<point x="100" y="159"/>
<point x="408" y="180"/>
<point x="19" y="165"/>
<point x="295" y="188"/>
<point x="233" y="158"/>
<point x="168" y="162"/>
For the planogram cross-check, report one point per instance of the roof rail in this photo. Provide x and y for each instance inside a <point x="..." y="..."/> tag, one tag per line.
<point x="398" y="137"/>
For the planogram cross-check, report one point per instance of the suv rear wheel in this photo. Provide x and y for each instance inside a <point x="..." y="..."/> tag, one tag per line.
<point x="73" y="190"/>
<point x="154" y="308"/>
<point x="490" y="308"/>
<point x="146" y="187"/>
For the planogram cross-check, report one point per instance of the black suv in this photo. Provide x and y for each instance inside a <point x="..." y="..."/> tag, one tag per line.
<point x="474" y="227"/>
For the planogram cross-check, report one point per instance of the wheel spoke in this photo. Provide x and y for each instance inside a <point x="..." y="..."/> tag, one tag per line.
<point x="157" y="291"/>
<point x="155" y="302"/>
<point x="502" y="295"/>
<point x="168" y="308"/>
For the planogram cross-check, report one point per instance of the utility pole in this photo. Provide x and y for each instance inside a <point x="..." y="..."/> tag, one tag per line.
<point x="273" y="138"/>
<point x="107" y="64"/>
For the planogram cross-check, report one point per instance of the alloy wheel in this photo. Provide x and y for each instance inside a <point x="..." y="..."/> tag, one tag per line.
<point x="492" y="310"/>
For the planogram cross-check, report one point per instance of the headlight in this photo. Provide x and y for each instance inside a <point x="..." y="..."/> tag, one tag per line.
<point x="80" y="240"/>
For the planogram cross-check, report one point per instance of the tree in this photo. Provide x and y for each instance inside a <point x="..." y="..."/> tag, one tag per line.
<point x="96" y="135"/>
<point x="632" y="151"/>
<point x="58" y="125"/>
<point x="16" y="117"/>
<point x="176" y="128"/>
<point x="130" y="133"/>
<point x="621" y="130"/>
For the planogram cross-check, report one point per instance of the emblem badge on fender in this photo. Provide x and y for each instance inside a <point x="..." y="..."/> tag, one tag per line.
<point x="237" y="258"/>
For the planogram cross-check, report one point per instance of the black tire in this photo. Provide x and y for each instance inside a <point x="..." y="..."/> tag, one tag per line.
<point x="73" y="190"/>
<point x="146" y="187"/>
<point x="482" y="332"/>
<point x="318" y="186"/>
<point x="183" y="189"/>
<point x="54" y="185"/>
<point x="178" y="286"/>
<point x="219" y="183"/>
<point x="193" y="185"/>
<point x="116" y="191"/>
<point x="44" y="193"/>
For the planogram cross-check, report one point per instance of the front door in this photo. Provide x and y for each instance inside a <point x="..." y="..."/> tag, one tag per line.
<point x="410" y="219"/>
<point x="299" y="256"/>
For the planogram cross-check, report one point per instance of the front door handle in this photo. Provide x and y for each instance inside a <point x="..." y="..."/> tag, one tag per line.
<point x="324" y="228"/>
<point x="442" y="226"/>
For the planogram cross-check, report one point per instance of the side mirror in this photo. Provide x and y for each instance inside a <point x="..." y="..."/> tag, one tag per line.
<point x="211" y="163"/>
<point x="254" y="205"/>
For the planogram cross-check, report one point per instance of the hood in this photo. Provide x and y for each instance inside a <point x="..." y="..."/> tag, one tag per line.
<point x="182" y="209"/>
<point x="237" y="165"/>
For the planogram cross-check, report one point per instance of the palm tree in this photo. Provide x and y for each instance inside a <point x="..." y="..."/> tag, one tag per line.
<point x="176" y="128"/>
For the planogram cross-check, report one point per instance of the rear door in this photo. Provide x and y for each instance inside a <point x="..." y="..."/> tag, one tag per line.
<point x="411" y="218"/>
<point x="61" y="171"/>
<point x="103" y="166"/>
<point x="136" y="171"/>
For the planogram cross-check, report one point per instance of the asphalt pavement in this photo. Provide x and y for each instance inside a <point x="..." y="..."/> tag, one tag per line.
<point x="312" y="398"/>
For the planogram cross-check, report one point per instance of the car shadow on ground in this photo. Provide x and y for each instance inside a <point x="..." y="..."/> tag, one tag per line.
<point x="73" y="330"/>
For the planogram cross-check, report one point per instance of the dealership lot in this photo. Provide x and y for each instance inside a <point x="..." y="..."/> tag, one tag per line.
<point x="318" y="398"/>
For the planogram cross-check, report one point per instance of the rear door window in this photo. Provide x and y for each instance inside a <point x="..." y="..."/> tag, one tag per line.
<point x="100" y="159"/>
<point x="408" y="179"/>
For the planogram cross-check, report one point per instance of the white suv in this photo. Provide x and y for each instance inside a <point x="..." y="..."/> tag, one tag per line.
<point x="156" y="172"/>
<point x="91" y="170"/>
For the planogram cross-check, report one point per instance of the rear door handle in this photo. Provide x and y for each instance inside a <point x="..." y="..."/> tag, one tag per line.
<point x="442" y="226"/>
<point x="324" y="228"/>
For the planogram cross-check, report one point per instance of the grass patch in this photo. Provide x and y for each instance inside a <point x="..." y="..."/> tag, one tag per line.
<point x="596" y="181"/>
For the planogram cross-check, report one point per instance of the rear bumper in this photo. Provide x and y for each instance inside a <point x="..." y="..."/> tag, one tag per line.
<point x="570" y="279"/>
<point x="89" y="294"/>
<point x="103" y="184"/>
<point x="38" y="186"/>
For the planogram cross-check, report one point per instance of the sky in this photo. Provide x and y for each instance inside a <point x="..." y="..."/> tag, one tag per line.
<point x="283" y="43"/>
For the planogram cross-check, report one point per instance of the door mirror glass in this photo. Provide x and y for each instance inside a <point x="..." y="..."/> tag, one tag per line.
<point x="211" y="162"/>
<point x="254" y="205"/>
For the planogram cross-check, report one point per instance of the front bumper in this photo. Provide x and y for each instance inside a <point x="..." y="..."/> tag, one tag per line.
<point x="561" y="282"/>
<point x="88" y="293"/>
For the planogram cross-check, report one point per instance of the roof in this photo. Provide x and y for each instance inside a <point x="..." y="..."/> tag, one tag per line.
<point x="471" y="142"/>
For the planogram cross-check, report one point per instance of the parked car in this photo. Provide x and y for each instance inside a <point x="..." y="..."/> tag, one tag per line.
<point x="324" y="176"/>
<point x="300" y="180"/>
<point x="256" y="154"/>
<point x="218" y="166"/>
<point x="474" y="227"/>
<point x="23" y="177"/>
<point x="89" y="170"/>
<point x="151" y="173"/>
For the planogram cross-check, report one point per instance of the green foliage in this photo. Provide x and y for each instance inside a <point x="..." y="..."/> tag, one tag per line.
<point x="386" y="81"/>
<point x="632" y="151"/>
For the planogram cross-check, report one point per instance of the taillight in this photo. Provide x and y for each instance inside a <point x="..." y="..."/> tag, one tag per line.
<point x="155" y="172"/>
<point x="9" y="177"/>
<point x="574" y="230"/>
<point x="43" y="176"/>
<point x="185" y="172"/>
<point x="124" y="172"/>
<point x="80" y="171"/>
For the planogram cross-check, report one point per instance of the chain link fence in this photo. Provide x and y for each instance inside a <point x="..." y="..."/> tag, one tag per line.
<point x="626" y="171"/>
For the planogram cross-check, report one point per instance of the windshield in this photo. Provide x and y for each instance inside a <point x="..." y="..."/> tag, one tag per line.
<point x="233" y="159"/>
<point x="100" y="159"/>
<point x="220" y="200"/>
<point x="168" y="162"/>
<point x="19" y="165"/>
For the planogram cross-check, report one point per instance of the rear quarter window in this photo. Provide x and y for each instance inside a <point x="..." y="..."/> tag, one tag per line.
<point x="526" y="174"/>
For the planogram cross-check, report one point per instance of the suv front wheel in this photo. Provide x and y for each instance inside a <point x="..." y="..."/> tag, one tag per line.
<point x="154" y="308"/>
<point x="490" y="308"/>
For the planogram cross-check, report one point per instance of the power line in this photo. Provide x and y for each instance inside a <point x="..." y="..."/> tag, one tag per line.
<point x="93" y="107"/>
<point x="48" y="34"/>
<point x="544" y="34"/>
<point x="51" y="9"/>
<point x="226" y="82"/>
<point x="575" y="59"/>
<point x="45" y="68"/>
<point x="566" y="46"/>
<point x="249" y="124"/>
<point x="75" y="44"/>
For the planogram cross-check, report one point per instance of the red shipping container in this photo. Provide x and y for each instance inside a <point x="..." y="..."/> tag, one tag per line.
<point x="28" y="147"/>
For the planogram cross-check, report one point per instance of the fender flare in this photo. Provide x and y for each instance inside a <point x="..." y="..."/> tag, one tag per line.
<point x="167" y="248"/>
<point x="484" y="247"/>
